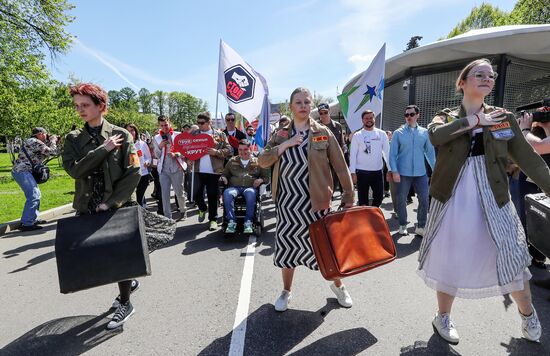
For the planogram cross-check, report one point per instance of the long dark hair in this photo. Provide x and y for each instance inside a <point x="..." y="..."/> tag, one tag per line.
<point x="135" y="129"/>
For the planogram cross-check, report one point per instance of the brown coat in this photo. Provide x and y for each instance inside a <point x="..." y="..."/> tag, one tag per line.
<point x="323" y="152"/>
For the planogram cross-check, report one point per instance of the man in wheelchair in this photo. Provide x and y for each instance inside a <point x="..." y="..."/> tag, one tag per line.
<point x="243" y="175"/>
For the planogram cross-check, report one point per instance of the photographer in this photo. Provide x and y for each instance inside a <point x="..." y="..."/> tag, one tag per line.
<point x="537" y="133"/>
<point x="32" y="152"/>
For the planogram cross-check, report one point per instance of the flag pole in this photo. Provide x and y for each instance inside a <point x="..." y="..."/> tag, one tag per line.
<point x="216" y="114"/>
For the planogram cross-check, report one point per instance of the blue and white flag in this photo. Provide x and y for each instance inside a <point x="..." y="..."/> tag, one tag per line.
<point x="239" y="83"/>
<point x="365" y="93"/>
<point x="262" y="132"/>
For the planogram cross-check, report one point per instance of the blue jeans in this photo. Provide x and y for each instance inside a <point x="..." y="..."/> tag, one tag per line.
<point x="32" y="193"/>
<point x="420" y="185"/>
<point x="229" y="196"/>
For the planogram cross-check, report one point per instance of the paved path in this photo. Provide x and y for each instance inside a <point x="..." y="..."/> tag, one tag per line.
<point x="189" y="305"/>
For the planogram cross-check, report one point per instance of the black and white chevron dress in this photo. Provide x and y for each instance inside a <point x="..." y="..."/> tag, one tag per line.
<point x="294" y="215"/>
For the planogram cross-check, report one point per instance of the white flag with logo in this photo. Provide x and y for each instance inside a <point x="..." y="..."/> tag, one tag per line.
<point x="365" y="93"/>
<point x="239" y="83"/>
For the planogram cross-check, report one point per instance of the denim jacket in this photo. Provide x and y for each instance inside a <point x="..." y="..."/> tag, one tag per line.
<point x="409" y="146"/>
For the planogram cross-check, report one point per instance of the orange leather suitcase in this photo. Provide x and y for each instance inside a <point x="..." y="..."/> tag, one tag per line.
<point x="351" y="241"/>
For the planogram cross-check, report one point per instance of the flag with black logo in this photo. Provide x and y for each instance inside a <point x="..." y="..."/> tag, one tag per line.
<point x="240" y="84"/>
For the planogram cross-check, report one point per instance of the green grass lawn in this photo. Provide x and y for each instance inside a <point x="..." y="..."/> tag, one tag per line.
<point x="57" y="191"/>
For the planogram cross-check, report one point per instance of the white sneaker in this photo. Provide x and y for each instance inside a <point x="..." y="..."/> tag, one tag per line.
<point x="444" y="327"/>
<point x="344" y="299"/>
<point x="530" y="326"/>
<point x="419" y="231"/>
<point x="281" y="304"/>
<point x="403" y="230"/>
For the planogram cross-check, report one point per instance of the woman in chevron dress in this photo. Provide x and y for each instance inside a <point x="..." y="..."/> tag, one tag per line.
<point x="475" y="246"/>
<point x="302" y="153"/>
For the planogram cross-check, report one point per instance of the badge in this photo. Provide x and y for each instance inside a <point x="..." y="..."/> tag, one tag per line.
<point x="503" y="134"/>
<point x="503" y="125"/>
<point x="282" y="133"/>
<point x="319" y="138"/>
<point x="134" y="160"/>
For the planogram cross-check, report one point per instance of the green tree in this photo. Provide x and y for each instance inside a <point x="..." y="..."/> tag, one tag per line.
<point x="484" y="16"/>
<point x="159" y="102"/>
<point x="121" y="117"/>
<point x="27" y="29"/>
<point x="36" y="24"/>
<point x="531" y="12"/>
<point x="128" y="99"/>
<point x="183" y="108"/>
<point x="114" y="98"/>
<point x="318" y="99"/>
<point x="145" y="100"/>
<point x="413" y="43"/>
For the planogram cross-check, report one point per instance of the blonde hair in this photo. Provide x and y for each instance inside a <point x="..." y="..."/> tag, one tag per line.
<point x="466" y="70"/>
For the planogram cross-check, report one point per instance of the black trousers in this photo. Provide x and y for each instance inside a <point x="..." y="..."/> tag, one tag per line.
<point x="210" y="182"/>
<point x="141" y="188"/>
<point x="158" y="190"/>
<point x="373" y="180"/>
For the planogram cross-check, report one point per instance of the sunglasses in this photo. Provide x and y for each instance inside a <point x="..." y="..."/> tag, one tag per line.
<point x="201" y="122"/>
<point x="481" y="76"/>
<point x="323" y="113"/>
<point x="410" y="114"/>
<point x="229" y="119"/>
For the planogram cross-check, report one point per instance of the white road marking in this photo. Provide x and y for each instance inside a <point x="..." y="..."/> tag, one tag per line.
<point x="239" y="326"/>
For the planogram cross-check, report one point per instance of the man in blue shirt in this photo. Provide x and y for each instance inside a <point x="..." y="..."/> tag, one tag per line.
<point x="409" y="146"/>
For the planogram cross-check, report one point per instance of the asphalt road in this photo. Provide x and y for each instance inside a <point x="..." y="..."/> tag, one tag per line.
<point x="189" y="305"/>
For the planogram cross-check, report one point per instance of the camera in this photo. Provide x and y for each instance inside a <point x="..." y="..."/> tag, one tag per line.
<point x="538" y="116"/>
<point x="541" y="116"/>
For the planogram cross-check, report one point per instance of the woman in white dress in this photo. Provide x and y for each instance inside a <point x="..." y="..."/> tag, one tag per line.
<point x="475" y="245"/>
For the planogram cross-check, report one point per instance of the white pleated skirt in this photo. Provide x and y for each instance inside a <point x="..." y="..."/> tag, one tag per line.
<point x="462" y="258"/>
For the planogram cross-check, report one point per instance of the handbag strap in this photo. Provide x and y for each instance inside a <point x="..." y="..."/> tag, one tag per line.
<point x="26" y="154"/>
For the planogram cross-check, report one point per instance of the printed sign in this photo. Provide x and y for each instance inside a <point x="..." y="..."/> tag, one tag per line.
<point x="193" y="146"/>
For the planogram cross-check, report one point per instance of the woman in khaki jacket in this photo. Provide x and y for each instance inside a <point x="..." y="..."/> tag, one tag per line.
<point x="474" y="245"/>
<point x="302" y="153"/>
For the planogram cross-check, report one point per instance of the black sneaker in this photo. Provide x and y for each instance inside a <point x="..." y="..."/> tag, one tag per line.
<point x="135" y="286"/>
<point x="123" y="312"/>
<point x="30" y="227"/>
<point x="40" y="222"/>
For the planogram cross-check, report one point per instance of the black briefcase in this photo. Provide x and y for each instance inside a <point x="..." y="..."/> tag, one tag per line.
<point x="537" y="211"/>
<point x="98" y="249"/>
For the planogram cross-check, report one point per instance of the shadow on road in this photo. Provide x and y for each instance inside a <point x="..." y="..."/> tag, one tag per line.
<point x="272" y="333"/>
<point x="31" y="246"/>
<point x="434" y="346"/>
<point x="72" y="335"/>
<point x="35" y="260"/>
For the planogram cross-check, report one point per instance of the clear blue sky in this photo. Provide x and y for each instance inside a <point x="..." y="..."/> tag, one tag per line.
<point x="173" y="45"/>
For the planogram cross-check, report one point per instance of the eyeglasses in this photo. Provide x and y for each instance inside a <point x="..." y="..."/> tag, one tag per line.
<point x="201" y="122"/>
<point x="411" y="114"/>
<point x="229" y="119"/>
<point x="323" y="112"/>
<point x="482" y="75"/>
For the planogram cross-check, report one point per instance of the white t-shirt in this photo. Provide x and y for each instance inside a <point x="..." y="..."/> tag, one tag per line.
<point x="368" y="150"/>
<point x="205" y="165"/>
